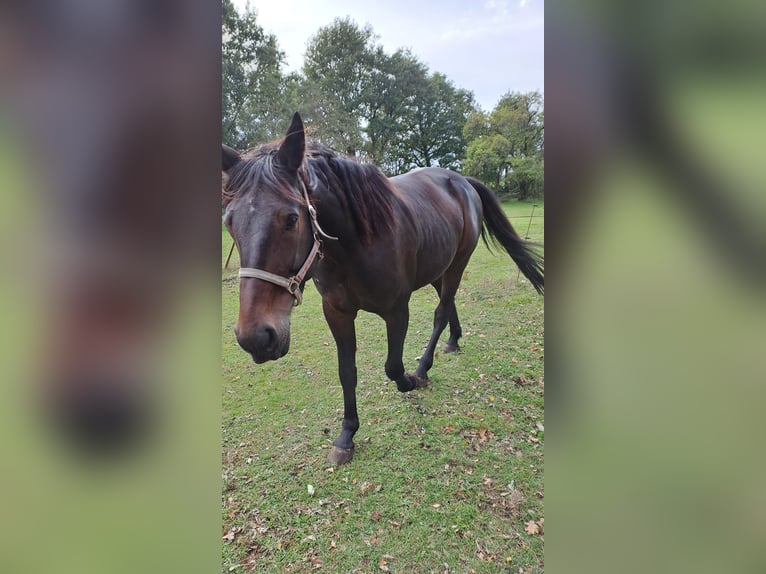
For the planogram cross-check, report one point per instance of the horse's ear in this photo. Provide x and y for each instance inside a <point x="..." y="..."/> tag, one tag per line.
<point x="230" y="157"/>
<point x="291" y="151"/>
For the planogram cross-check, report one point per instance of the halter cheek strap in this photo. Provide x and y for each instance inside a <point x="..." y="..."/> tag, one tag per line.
<point x="293" y="284"/>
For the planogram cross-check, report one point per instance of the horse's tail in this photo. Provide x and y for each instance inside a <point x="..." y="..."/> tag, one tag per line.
<point x="501" y="231"/>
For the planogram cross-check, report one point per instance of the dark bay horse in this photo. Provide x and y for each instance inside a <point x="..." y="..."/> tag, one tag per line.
<point x="298" y="212"/>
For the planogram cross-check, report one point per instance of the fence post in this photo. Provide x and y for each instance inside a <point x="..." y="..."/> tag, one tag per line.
<point x="229" y="257"/>
<point x="526" y="235"/>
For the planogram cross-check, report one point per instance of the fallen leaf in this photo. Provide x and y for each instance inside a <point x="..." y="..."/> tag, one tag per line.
<point x="521" y="380"/>
<point x="376" y="515"/>
<point x="532" y="527"/>
<point x="515" y="500"/>
<point x="482" y="553"/>
<point x="365" y="487"/>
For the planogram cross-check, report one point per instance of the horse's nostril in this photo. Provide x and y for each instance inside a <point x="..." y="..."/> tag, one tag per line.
<point x="266" y="337"/>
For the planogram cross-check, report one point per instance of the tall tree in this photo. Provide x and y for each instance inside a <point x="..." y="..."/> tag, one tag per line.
<point x="488" y="158"/>
<point x="506" y="146"/>
<point x="434" y="135"/>
<point x="251" y="78"/>
<point x="389" y="102"/>
<point x="337" y="68"/>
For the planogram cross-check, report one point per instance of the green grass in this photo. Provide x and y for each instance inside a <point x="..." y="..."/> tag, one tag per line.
<point x="444" y="479"/>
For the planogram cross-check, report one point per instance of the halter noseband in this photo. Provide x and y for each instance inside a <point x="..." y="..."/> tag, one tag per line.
<point x="293" y="284"/>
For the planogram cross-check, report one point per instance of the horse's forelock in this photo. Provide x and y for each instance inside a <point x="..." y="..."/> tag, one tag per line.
<point x="260" y="167"/>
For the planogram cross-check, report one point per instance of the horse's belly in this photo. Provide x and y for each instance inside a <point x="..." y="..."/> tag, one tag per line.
<point x="432" y="265"/>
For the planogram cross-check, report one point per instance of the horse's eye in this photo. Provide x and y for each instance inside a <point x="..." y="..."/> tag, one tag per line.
<point x="292" y="219"/>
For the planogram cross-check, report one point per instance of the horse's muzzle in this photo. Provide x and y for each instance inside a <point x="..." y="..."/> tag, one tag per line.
<point x="264" y="343"/>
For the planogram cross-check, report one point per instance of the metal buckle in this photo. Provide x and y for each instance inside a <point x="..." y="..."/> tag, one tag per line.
<point x="294" y="288"/>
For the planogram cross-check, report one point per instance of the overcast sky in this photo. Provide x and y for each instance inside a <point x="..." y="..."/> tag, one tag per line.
<point x="487" y="46"/>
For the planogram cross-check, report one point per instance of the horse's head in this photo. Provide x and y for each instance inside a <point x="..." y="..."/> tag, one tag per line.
<point x="267" y="215"/>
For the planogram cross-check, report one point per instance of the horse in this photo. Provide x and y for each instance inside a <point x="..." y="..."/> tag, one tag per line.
<point x="298" y="210"/>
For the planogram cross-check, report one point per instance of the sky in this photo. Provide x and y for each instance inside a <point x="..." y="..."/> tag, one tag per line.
<point x="489" y="47"/>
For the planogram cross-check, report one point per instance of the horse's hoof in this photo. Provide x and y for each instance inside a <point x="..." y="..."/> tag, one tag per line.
<point x="421" y="382"/>
<point x="406" y="387"/>
<point x="411" y="382"/>
<point x="339" y="456"/>
<point x="451" y="348"/>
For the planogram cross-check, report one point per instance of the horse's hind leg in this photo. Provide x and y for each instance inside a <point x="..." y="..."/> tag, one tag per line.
<point x="455" y="330"/>
<point x="444" y="312"/>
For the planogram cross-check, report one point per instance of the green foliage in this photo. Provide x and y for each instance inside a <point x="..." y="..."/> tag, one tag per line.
<point x="488" y="158"/>
<point x="252" y="81"/>
<point x="526" y="177"/>
<point x="506" y="146"/>
<point x="389" y="100"/>
<point x="476" y="125"/>
<point x="385" y="107"/>
<point x="434" y="135"/>
<point x="337" y="70"/>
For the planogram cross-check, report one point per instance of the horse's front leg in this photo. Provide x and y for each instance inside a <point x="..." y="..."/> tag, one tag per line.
<point x="342" y="328"/>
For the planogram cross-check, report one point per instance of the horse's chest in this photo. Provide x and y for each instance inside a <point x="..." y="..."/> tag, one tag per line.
<point x="334" y="291"/>
<point x="351" y="292"/>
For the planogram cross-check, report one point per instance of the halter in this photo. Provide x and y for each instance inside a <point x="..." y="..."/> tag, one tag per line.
<point x="293" y="284"/>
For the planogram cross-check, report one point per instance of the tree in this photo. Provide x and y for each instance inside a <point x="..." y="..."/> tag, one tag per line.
<point x="434" y="134"/>
<point x="251" y="79"/>
<point x="337" y="69"/>
<point x="518" y="117"/>
<point x="384" y="107"/>
<point x="388" y="103"/>
<point x="488" y="159"/>
<point x="506" y="146"/>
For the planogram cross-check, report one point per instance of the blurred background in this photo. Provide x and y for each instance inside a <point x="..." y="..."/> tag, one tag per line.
<point x="109" y="293"/>
<point x="655" y="312"/>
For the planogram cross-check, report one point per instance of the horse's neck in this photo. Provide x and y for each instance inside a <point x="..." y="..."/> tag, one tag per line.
<point x="332" y="218"/>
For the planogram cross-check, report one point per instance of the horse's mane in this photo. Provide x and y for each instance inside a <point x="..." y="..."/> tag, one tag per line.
<point x="362" y="189"/>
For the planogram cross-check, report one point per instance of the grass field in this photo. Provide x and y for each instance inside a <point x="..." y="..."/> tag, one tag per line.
<point x="444" y="479"/>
